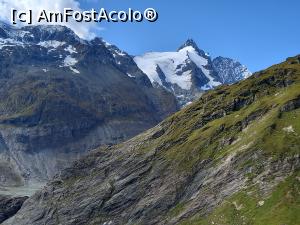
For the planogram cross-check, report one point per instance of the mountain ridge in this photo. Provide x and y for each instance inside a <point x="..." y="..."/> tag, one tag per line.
<point x="189" y="72"/>
<point x="62" y="96"/>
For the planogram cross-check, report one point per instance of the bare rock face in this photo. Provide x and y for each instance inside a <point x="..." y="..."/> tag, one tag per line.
<point x="9" y="206"/>
<point x="229" y="70"/>
<point x="191" y="164"/>
<point x="62" y="96"/>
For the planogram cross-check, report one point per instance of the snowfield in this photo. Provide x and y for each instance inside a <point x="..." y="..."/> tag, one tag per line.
<point x="171" y="64"/>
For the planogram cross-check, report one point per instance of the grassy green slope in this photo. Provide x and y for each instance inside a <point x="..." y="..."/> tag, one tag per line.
<point x="250" y="207"/>
<point x="226" y="119"/>
<point x="261" y="113"/>
<point x="275" y="130"/>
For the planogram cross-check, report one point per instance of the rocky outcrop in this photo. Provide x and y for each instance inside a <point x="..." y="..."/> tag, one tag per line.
<point x="229" y="70"/>
<point x="227" y="143"/>
<point x="9" y="206"/>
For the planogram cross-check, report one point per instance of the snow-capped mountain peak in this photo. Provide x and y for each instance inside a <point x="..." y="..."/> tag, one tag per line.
<point x="190" y="43"/>
<point x="36" y="34"/>
<point x="174" y="66"/>
<point x="189" y="71"/>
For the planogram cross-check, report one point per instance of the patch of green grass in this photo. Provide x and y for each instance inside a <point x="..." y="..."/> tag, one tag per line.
<point x="186" y="146"/>
<point x="176" y="210"/>
<point x="284" y="138"/>
<point x="249" y="207"/>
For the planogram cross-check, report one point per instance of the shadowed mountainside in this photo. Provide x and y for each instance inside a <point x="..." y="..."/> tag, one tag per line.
<point x="61" y="96"/>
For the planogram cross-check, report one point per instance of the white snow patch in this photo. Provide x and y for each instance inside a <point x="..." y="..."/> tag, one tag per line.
<point x="8" y="42"/>
<point x="246" y="72"/>
<point x="22" y="34"/>
<point x="45" y="70"/>
<point x="70" y="61"/>
<point x="168" y="62"/>
<point x="71" y="49"/>
<point x="120" y="53"/>
<point x="187" y="104"/>
<point x="51" y="44"/>
<point x="206" y="87"/>
<point x="107" y="44"/>
<point x="131" y="76"/>
<point x="74" y="70"/>
<point x="117" y="53"/>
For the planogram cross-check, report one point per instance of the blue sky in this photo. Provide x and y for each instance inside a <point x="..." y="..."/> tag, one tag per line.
<point x="258" y="33"/>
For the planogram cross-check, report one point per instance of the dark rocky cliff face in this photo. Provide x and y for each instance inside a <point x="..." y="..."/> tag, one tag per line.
<point x="232" y="157"/>
<point x="9" y="206"/>
<point x="61" y="96"/>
